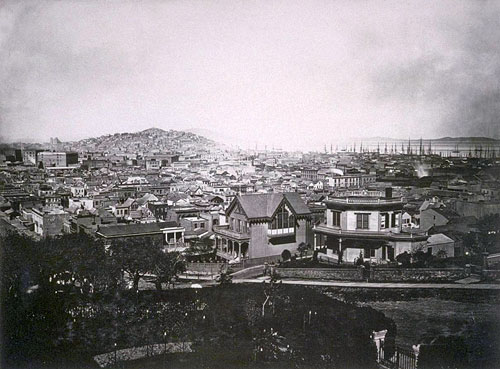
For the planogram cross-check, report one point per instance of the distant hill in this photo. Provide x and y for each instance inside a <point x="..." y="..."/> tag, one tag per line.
<point x="441" y="139"/>
<point x="151" y="140"/>
<point x="466" y="139"/>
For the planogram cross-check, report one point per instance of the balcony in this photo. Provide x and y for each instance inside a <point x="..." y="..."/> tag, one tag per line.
<point x="231" y="257"/>
<point x="337" y="231"/>
<point x="365" y="200"/>
<point x="224" y="230"/>
<point x="178" y="246"/>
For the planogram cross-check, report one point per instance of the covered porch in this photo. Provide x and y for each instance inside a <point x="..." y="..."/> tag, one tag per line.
<point x="349" y="249"/>
<point x="230" y="249"/>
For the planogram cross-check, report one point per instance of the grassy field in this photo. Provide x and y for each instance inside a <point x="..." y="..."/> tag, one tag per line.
<point x="422" y="315"/>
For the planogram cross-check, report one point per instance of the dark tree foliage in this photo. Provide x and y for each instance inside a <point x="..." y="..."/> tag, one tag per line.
<point x="167" y="266"/>
<point x="302" y="248"/>
<point x="43" y="283"/>
<point x="137" y="256"/>
<point x="304" y="329"/>
<point x="63" y="302"/>
<point x="224" y="277"/>
<point x="201" y="250"/>
<point x="489" y="233"/>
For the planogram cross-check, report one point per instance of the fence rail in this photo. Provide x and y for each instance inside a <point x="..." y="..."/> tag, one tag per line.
<point x="401" y="358"/>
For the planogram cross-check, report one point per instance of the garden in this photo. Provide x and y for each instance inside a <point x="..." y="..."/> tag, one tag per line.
<point x="64" y="303"/>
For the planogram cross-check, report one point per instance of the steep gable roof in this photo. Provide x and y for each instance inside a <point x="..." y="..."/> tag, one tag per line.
<point x="297" y="203"/>
<point x="265" y="205"/>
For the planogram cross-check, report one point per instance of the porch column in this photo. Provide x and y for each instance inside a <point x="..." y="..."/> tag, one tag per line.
<point x="341" y="252"/>
<point x="239" y="250"/>
<point x="315" y="241"/>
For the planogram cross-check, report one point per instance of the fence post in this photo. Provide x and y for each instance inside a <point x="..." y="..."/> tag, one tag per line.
<point x="379" y="338"/>
<point x="371" y="277"/>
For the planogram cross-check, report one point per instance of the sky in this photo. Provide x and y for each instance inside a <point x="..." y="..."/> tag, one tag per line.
<point x="289" y="74"/>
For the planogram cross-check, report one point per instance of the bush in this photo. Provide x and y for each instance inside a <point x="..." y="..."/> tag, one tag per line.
<point x="286" y="255"/>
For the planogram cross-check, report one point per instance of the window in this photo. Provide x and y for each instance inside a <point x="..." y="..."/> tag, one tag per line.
<point x="336" y="218"/>
<point x="283" y="220"/>
<point x="384" y="220"/>
<point x="362" y="221"/>
<point x="202" y="225"/>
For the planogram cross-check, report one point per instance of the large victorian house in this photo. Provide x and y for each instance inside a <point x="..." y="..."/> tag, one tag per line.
<point x="263" y="227"/>
<point x="365" y="224"/>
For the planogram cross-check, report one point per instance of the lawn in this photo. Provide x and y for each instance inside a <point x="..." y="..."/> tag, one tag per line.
<point x="423" y="315"/>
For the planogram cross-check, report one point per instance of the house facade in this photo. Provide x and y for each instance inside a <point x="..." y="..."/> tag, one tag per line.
<point x="365" y="224"/>
<point x="170" y="234"/>
<point x="263" y="226"/>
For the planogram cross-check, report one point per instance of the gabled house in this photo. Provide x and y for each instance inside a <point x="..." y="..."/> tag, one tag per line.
<point x="432" y="217"/>
<point x="124" y="209"/>
<point x="263" y="227"/>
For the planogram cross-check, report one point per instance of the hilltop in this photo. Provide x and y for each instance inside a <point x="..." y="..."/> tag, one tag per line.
<point x="149" y="140"/>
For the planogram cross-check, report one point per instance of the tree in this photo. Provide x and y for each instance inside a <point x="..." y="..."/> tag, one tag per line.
<point x="302" y="248"/>
<point x="168" y="265"/>
<point x="489" y="233"/>
<point x="81" y="263"/>
<point x="137" y="256"/>
<point x="404" y="259"/>
<point x="224" y="276"/>
<point x="286" y="255"/>
<point x="270" y="291"/>
<point x="201" y="248"/>
<point x="470" y="242"/>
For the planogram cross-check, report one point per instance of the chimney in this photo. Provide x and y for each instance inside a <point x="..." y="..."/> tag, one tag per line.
<point x="388" y="192"/>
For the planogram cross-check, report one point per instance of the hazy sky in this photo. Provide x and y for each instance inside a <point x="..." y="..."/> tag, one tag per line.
<point x="284" y="73"/>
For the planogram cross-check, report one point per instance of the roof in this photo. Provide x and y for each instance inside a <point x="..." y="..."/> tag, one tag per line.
<point x="133" y="229"/>
<point x="264" y="205"/>
<point x="126" y="204"/>
<point x="446" y="212"/>
<point x="439" y="238"/>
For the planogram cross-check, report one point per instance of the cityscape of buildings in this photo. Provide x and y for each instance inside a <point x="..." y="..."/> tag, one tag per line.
<point x="356" y="215"/>
<point x="183" y="187"/>
<point x="249" y="184"/>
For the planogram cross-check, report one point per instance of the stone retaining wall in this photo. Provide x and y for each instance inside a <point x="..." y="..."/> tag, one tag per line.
<point x="491" y="274"/>
<point x="322" y="273"/>
<point x="211" y="268"/>
<point x="416" y="274"/>
<point x="376" y="274"/>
